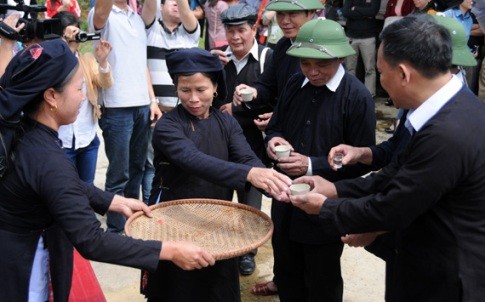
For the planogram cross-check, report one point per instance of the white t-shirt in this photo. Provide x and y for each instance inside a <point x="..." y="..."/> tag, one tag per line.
<point x="125" y="31"/>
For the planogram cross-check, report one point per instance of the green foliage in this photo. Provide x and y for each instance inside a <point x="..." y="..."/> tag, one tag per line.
<point x="84" y="4"/>
<point x="86" y="47"/>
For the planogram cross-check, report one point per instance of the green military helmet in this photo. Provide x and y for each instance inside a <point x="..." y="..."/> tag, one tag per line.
<point x="461" y="54"/>
<point x="321" y="39"/>
<point x="293" y="5"/>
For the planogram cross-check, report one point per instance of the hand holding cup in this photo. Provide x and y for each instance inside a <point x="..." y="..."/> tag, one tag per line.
<point x="337" y="160"/>
<point x="282" y="151"/>
<point x="299" y="189"/>
<point x="246" y="94"/>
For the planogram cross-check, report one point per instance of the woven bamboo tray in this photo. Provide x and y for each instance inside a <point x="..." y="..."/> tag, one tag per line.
<point x="223" y="228"/>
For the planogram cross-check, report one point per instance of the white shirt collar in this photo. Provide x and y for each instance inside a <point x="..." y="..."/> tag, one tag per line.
<point x="239" y="64"/>
<point x="253" y="51"/>
<point x="418" y="117"/>
<point x="129" y="11"/>
<point x="334" y="82"/>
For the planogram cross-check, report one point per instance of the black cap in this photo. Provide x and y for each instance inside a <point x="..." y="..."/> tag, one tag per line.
<point x="194" y="60"/>
<point x="239" y="14"/>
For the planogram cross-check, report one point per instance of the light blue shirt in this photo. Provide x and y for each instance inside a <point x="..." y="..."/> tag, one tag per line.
<point x="465" y="19"/>
<point x="418" y="117"/>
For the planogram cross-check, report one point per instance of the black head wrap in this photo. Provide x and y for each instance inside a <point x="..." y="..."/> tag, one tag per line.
<point x="27" y="76"/>
<point x="194" y="60"/>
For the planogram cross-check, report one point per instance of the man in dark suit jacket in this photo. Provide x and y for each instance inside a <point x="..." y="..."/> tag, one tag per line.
<point x="434" y="195"/>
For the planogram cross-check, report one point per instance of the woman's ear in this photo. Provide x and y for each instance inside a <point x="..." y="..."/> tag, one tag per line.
<point x="50" y="97"/>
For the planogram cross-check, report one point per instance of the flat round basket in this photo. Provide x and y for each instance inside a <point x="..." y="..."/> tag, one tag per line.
<point x="223" y="228"/>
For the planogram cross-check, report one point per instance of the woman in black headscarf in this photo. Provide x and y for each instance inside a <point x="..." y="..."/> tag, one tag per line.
<point x="40" y="186"/>
<point x="202" y="153"/>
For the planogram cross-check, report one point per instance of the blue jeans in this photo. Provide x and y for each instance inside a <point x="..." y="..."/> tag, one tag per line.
<point x="146" y="185"/>
<point x="125" y="133"/>
<point x="85" y="160"/>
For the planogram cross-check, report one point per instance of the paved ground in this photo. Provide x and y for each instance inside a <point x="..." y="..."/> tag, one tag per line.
<point x="362" y="272"/>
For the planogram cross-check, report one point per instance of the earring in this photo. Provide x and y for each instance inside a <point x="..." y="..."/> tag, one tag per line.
<point x="53" y="108"/>
<point x="215" y="94"/>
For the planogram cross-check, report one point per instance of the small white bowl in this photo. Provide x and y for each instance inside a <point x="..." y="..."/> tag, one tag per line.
<point x="299" y="189"/>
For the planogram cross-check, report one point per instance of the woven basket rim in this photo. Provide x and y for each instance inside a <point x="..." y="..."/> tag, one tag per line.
<point x="242" y="207"/>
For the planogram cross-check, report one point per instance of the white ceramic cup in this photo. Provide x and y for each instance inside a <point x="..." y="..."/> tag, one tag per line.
<point x="299" y="189"/>
<point x="246" y="94"/>
<point x="282" y="151"/>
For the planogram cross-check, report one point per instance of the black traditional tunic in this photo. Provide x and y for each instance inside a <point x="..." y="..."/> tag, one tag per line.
<point x="313" y="120"/>
<point x="198" y="158"/>
<point x="279" y="69"/>
<point x="248" y="75"/>
<point x="42" y="189"/>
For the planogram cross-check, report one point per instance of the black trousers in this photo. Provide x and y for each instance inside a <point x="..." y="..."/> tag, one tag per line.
<point x="304" y="272"/>
<point x="218" y="283"/>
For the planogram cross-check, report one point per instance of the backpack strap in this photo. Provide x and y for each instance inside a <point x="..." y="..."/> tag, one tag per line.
<point x="262" y="59"/>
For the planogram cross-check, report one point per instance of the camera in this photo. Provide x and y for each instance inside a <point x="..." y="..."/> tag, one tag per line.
<point x="34" y="28"/>
<point x="84" y="36"/>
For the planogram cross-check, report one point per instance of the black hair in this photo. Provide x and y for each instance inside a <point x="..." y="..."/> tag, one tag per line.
<point x="419" y="41"/>
<point x="67" y="19"/>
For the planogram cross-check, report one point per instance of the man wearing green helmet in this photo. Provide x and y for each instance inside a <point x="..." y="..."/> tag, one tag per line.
<point x="433" y="195"/>
<point x="461" y="53"/>
<point x="319" y="108"/>
<point x="290" y="15"/>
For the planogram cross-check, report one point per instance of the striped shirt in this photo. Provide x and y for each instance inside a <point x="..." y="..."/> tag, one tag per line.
<point x="160" y="41"/>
